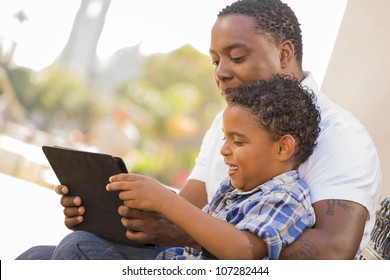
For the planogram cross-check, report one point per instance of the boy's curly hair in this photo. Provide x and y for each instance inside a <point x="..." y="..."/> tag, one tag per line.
<point x="283" y="106"/>
<point x="273" y="18"/>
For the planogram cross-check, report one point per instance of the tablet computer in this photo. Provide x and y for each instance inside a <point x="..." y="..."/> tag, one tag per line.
<point x="86" y="174"/>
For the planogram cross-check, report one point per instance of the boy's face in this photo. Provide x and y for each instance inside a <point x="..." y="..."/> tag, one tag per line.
<point x="248" y="151"/>
<point x="240" y="54"/>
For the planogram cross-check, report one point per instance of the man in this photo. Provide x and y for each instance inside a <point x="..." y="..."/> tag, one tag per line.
<point x="252" y="40"/>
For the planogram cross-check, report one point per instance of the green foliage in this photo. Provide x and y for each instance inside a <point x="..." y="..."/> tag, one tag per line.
<point x="178" y="91"/>
<point x="60" y="93"/>
<point x="19" y="78"/>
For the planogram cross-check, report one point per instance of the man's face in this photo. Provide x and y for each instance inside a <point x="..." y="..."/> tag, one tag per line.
<point x="240" y="54"/>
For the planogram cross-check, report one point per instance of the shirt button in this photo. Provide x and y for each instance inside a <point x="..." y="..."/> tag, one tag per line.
<point x="229" y="202"/>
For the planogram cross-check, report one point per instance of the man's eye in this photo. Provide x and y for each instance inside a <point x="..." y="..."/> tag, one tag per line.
<point x="215" y="62"/>
<point x="238" y="143"/>
<point x="238" y="59"/>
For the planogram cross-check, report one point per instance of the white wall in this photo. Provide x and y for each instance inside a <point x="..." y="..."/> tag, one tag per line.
<point x="358" y="76"/>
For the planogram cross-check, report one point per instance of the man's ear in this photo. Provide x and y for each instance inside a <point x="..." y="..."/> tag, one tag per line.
<point x="287" y="52"/>
<point x="287" y="145"/>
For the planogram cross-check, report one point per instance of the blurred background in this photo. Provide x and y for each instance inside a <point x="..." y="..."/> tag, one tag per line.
<point x="128" y="78"/>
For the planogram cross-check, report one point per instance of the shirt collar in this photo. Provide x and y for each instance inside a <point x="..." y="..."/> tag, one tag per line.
<point x="282" y="179"/>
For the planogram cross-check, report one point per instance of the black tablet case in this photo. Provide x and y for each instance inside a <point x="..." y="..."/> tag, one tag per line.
<point x="86" y="175"/>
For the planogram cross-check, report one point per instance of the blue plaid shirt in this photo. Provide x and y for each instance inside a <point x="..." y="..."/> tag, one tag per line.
<point x="277" y="211"/>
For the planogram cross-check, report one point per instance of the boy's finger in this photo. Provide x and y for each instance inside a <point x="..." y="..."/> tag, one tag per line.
<point x="122" y="177"/>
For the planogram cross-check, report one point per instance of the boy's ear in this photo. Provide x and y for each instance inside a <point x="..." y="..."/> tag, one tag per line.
<point x="286" y="53"/>
<point x="287" y="147"/>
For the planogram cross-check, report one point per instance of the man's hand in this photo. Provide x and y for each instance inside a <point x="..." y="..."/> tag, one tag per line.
<point x="152" y="228"/>
<point x="73" y="211"/>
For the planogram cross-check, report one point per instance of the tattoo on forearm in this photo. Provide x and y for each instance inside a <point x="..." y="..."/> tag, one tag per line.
<point x="304" y="251"/>
<point x="330" y="210"/>
<point x="354" y="216"/>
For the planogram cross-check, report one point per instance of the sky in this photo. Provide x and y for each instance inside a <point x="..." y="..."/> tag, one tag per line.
<point x="158" y="26"/>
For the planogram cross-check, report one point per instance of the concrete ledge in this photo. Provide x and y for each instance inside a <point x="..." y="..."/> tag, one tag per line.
<point x="30" y="215"/>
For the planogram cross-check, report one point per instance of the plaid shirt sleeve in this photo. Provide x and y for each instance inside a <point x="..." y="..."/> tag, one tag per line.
<point x="278" y="219"/>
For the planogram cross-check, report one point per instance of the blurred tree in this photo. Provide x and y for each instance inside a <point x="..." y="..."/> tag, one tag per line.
<point x="178" y="91"/>
<point x="61" y="99"/>
<point x="13" y="81"/>
<point x="185" y="66"/>
<point x="19" y="78"/>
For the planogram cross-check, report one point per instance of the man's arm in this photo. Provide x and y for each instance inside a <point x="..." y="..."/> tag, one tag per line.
<point x="336" y="234"/>
<point x="194" y="191"/>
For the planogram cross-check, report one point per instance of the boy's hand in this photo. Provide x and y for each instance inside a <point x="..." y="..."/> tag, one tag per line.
<point x="141" y="192"/>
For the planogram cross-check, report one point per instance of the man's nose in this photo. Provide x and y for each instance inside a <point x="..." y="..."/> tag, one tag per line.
<point x="222" y="72"/>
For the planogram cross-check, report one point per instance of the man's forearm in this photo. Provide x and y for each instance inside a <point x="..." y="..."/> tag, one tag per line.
<point x="180" y="238"/>
<point x="302" y="248"/>
<point x="336" y="235"/>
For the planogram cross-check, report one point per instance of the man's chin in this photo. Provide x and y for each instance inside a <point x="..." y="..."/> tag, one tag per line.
<point x="228" y="97"/>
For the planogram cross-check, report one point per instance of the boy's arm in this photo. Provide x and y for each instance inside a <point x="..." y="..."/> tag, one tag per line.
<point x="220" y="238"/>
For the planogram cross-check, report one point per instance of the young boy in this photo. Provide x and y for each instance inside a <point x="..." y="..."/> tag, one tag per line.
<point x="270" y="128"/>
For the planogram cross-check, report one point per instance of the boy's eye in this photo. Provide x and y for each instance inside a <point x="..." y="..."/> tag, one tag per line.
<point x="238" y="143"/>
